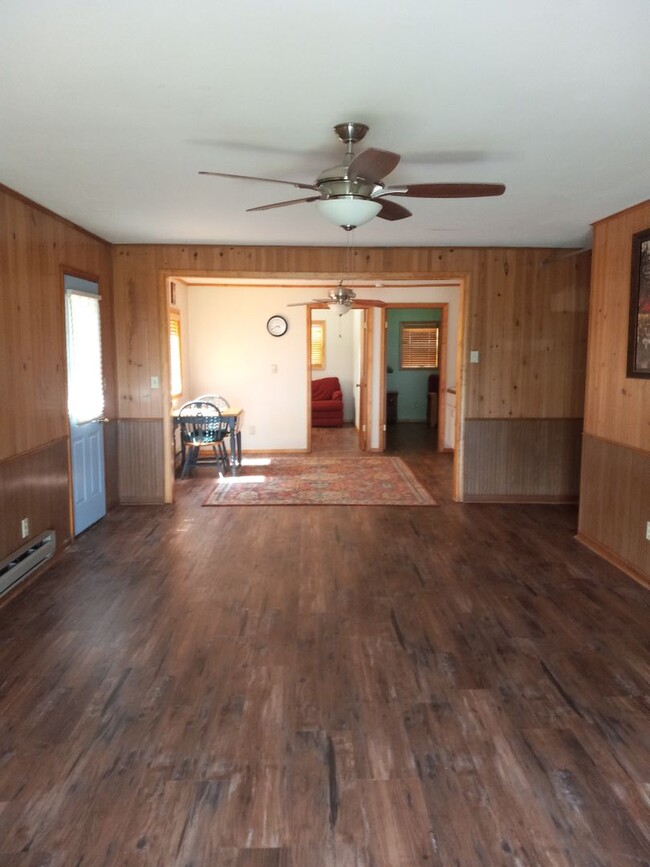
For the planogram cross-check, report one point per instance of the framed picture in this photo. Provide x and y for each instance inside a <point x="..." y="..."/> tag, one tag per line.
<point x="638" y="347"/>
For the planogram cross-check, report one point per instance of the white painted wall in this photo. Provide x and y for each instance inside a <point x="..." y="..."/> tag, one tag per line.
<point x="230" y="352"/>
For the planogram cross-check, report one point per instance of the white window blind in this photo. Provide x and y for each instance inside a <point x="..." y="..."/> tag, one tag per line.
<point x="318" y="344"/>
<point x="85" y="379"/>
<point x="419" y="345"/>
<point x="175" y="366"/>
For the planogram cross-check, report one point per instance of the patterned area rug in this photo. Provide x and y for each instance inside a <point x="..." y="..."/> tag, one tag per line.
<point x="316" y="481"/>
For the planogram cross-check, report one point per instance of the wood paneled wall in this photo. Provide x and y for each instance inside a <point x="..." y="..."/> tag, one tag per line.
<point x="35" y="247"/>
<point x="525" y="312"/>
<point x="522" y="459"/>
<point x="617" y="408"/>
<point x="528" y="318"/>
<point x="615" y="504"/>
<point x="141" y="475"/>
<point x="616" y="453"/>
<point x="35" y="485"/>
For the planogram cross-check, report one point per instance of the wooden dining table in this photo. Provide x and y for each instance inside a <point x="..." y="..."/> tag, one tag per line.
<point x="233" y="416"/>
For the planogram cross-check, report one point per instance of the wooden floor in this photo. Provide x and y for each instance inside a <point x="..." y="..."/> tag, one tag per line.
<point x="309" y="687"/>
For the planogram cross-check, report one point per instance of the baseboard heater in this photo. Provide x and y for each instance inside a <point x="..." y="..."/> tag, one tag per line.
<point x="22" y="562"/>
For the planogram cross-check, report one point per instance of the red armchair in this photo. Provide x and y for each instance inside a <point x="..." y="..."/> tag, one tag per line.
<point x="326" y="402"/>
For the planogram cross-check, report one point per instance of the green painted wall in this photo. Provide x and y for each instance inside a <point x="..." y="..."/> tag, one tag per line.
<point x="411" y="385"/>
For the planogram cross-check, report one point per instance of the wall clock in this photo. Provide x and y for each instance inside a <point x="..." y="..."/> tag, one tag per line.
<point x="277" y="326"/>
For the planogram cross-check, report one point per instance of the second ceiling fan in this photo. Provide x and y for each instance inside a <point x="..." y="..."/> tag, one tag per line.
<point x="352" y="193"/>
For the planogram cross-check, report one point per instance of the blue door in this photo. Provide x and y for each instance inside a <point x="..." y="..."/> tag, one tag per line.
<point x="85" y="401"/>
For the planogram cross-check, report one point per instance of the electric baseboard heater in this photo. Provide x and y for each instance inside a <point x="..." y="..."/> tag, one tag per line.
<point x="22" y="562"/>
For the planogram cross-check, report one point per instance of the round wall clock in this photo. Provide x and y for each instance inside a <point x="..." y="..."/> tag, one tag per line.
<point x="277" y="326"/>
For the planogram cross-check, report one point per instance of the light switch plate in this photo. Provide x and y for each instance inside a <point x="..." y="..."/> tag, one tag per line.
<point x="473" y="356"/>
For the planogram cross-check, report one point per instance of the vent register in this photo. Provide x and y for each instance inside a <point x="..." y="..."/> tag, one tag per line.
<point x="22" y="562"/>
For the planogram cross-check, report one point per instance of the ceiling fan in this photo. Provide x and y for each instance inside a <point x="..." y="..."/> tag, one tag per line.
<point x="352" y="193"/>
<point x="341" y="300"/>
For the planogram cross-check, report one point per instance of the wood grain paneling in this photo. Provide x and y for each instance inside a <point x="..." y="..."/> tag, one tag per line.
<point x="526" y="314"/>
<point x="36" y="247"/>
<point x="111" y="462"/>
<point x="522" y="459"/>
<point x="615" y="502"/>
<point x="617" y="408"/>
<point x="528" y="320"/>
<point x="35" y="486"/>
<point x="140" y="446"/>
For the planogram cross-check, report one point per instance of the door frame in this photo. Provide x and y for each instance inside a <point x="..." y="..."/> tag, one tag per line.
<point x="365" y="379"/>
<point x="460" y="278"/>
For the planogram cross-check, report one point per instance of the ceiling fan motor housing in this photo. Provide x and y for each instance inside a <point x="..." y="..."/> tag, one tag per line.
<point x="359" y="189"/>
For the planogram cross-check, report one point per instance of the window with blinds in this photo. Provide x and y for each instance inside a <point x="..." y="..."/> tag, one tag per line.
<point x="318" y="344"/>
<point x="175" y="365"/>
<point x="418" y="345"/>
<point x="85" y="378"/>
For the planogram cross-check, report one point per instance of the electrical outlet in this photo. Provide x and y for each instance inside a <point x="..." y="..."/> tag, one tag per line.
<point x="24" y="528"/>
<point x="473" y="356"/>
<point x="155" y="382"/>
<point x="251" y="430"/>
<point x="647" y="531"/>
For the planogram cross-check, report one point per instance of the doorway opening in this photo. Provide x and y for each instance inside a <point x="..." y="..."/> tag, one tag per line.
<point x="226" y="347"/>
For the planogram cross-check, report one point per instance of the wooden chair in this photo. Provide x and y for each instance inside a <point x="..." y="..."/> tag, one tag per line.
<point x="203" y="426"/>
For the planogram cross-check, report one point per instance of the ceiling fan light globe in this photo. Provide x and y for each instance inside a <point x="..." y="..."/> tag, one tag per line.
<point x="339" y="308"/>
<point x="348" y="211"/>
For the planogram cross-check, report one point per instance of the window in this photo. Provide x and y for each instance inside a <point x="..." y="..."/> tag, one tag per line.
<point x="418" y="345"/>
<point x="85" y="379"/>
<point x="175" y="366"/>
<point x="318" y="344"/>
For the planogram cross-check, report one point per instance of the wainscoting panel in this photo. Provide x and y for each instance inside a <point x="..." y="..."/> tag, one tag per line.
<point x="140" y="459"/>
<point x="526" y="460"/>
<point x="615" y="503"/>
<point x="35" y="486"/>
<point x="111" y="462"/>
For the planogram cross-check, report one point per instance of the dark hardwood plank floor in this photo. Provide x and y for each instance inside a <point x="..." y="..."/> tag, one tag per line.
<point x="456" y="686"/>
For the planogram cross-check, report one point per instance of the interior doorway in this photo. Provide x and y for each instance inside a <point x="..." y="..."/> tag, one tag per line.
<point x="414" y="355"/>
<point x="226" y="346"/>
<point x="338" y="353"/>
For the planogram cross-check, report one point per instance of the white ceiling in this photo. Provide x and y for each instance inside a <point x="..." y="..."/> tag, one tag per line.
<point x="110" y="108"/>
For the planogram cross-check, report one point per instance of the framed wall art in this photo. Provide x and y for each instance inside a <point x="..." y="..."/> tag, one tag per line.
<point x="638" y="347"/>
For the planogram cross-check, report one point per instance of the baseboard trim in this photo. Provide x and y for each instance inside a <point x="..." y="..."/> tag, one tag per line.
<point x="537" y="499"/>
<point x="614" y="559"/>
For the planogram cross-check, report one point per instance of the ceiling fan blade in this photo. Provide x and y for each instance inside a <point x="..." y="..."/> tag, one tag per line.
<point x="296" y="184"/>
<point x="446" y="191"/>
<point x="392" y="211"/>
<point x="283" y="204"/>
<point x="313" y="301"/>
<point x="367" y="302"/>
<point x="372" y="164"/>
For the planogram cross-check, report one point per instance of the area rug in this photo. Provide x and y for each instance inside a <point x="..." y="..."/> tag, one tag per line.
<point x="316" y="481"/>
